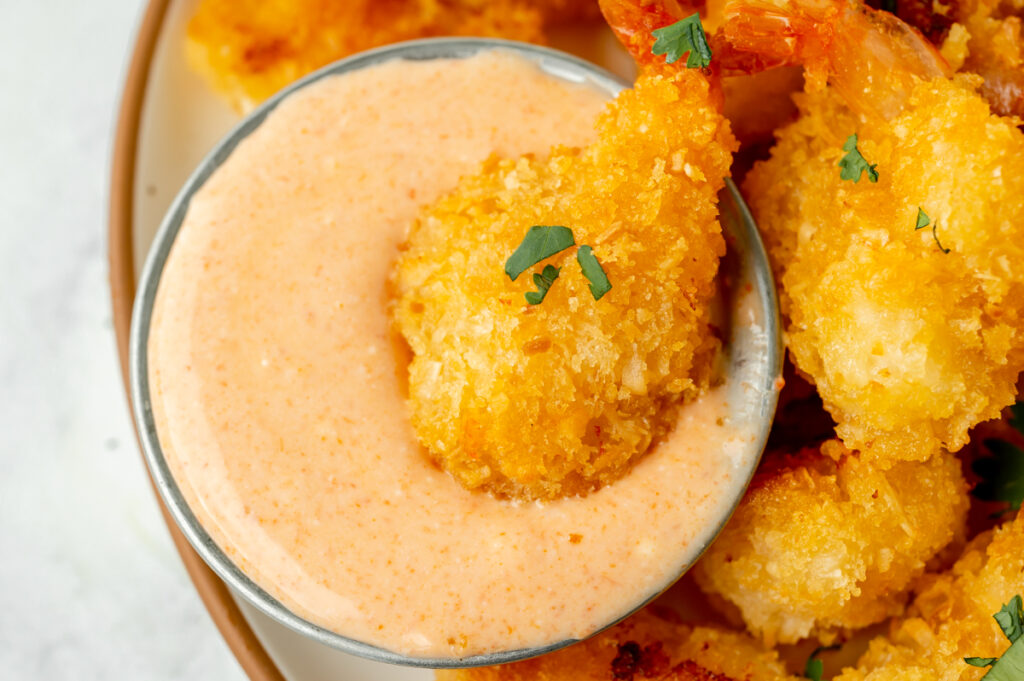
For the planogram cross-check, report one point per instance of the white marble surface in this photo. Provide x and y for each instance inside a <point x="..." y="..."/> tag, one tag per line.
<point x="90" y="585"/>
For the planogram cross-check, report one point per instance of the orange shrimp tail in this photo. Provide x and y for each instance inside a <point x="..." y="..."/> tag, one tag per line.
<point x="633" y="21"/>
<point x="870" y="56"/>
<point x="760" y="35"/>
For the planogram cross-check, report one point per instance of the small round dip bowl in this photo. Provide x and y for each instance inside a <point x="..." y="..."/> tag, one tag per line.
<point x="751" y="347"/>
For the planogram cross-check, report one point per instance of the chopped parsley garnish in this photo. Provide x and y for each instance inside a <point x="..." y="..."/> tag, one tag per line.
<point x="544" y="280"/>
<point x="1010" y="666"/>
<point x="815" y="667"/>
<point x="853" y="164"/>
<point x="1002" y="474"/>
<point x="923" y="221"/>
<point x="539" y="243"/>
<point x="542" y="242"/>
<point x="592" y="270"/>
<point x="681" y="37"/>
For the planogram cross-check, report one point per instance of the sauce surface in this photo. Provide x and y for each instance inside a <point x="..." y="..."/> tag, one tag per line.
<point x="277" y="392"/>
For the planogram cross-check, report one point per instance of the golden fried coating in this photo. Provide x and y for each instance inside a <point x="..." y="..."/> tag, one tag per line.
<point x="909" y="346"/>
<point x="994" y="50"/>
<point x="951" y="617"/>
<point x="559" y="398"/>
<point x="826" y="541"/>
<point x="649" y="645"/>
<point x="249" y="49"/>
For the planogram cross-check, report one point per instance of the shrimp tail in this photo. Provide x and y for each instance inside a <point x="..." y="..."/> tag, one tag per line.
<point x="634" y="21"/>
<point x="870" y="56"/>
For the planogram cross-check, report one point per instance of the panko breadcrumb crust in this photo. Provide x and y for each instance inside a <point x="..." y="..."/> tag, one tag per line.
<point x="650" y="645"/>
<point x="951" y="617"/>
<point x="559" y="398"/>
<point x="250" y="49"/>
<point x="909" y="346"/>
<point x="825" y="541"/>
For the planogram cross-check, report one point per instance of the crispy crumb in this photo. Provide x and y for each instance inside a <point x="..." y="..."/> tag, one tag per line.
<point x="826" y="541"/>
<point x="645" y="646"/>
<point x="560" y="398"/>
<point x="951" y="616"/>
<point x="249" y="49"/>
<point x="909" y="347"/>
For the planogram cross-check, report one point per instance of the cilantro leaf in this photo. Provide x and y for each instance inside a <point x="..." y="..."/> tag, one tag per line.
<point x="681" y="37"/>
<point x="1011" y="618"/>
<point x="1009" y="667"/>
<point x="592" y="270"/>
<point x="922" y="219"/>
<point x="539" y="243"/>
<point x="814" y="668"/>
<point x="544" y="280"/>
<point x="853" y="164"/>
<point x="1002" y="474"/>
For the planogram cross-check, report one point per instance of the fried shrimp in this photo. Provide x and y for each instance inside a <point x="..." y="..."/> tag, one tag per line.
<point x="249" y="49"/>
<point x="559" y="398"/>
<point x="978" y="36"/>
<point x="650" y="645"/>
<point x="825" y="542"/>
<point x="902" y="297"/>
<point x="951" y="616"/>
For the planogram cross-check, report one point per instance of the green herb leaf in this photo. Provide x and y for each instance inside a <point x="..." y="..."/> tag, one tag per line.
<point x="922" y="219"/>
<point x="544" y="280"/>
<point x="1002" y="474"/>
<point x="853" y="164"/>
<point x="539" y="243"/>
<point x="1009" y="667"/>
<point x="815" y="668"/>
<point x="592" y="270"/>
<point x="1011" y="618"/>
<point x="681" y="37"/>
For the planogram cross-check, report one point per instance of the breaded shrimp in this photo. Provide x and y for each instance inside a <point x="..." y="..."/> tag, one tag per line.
<point x="825" y="542"/>
<point x="650" y="645"/>
<point x="559" y="398"/>
<point x="912" y="336"/>
<point x="951" y="617"/>
<point x="249" y="49"/>
<point x="977" y="36"/>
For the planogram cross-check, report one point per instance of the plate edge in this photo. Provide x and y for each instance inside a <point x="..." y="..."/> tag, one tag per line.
<point x="240" y="638"/>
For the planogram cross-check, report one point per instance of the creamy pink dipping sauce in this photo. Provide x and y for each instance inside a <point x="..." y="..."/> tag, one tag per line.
<point x="277" y="392"/>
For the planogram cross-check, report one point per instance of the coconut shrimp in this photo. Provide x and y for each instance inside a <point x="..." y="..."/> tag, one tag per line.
<point x="977" y="36"/>
<point x="536" y="399"/>
<point x="951" y="616"/>
<point x="893" y="211"/>
<point x="825" y="543"/>
<point x="249" y="49"/>
<point x="653" y="644"/>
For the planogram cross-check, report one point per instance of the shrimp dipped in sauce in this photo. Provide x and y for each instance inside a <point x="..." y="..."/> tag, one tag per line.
<point x="893" y="211"/>
<point x="541" y="378"/>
